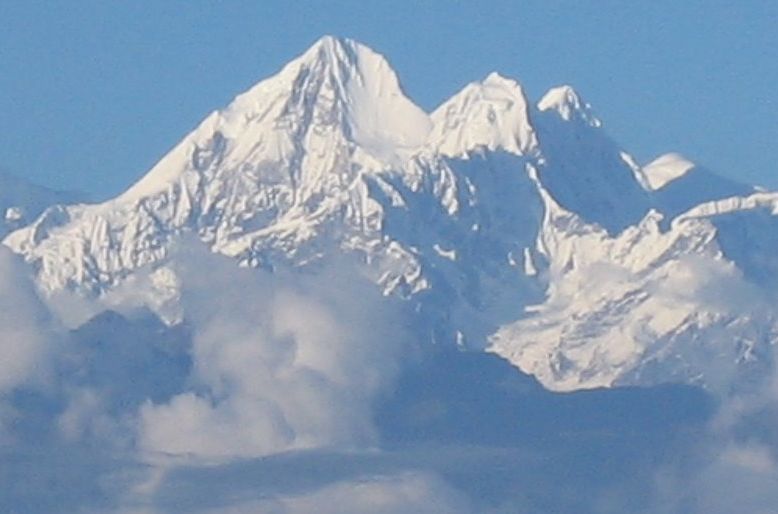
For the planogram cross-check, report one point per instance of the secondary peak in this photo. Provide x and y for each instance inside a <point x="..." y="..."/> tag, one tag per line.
<point x="490" y="114"/>
<point x="565" y="101"/>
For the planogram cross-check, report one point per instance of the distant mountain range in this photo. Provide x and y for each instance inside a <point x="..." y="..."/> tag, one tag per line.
<point x="21" y="201"/>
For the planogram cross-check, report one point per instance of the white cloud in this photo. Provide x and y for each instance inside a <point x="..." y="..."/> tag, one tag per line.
<point x="710" y="283"/>
<point x="397" y="493"/>
<point x="400" y="494"/>
<point x="756" y="458"/>
<point x="24" y="326"/>
<point x="734" y="466"/>
<point x="280" y="361"/>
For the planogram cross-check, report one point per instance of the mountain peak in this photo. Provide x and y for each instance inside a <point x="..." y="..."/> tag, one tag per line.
<point x="497" y="79"/>
<point x="568" y="104"/>
<point x="346" y="56"/>
<point x="491" y="114"/>
<point x="338" y="97"/>
<point x="334" y="44"/>
<point x="340" y="70"/>
<point x="346" y="86"/>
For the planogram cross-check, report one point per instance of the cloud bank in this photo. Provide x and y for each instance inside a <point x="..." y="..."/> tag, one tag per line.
<point x="279" y="362"/>
<point x="24" y="323"/>
<point x="26" y="335"/>
<point x="268" y="364"/>
<point x="420" y="493"/>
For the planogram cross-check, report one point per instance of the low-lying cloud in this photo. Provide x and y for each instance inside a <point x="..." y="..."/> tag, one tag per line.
<point x="24" y="324"/>
<point x="270" y="363"/>
<point x="420" y="493"/>
<point x="398" y="493"/>
<point x="26" y="334"/>
<point x="279" y="362"/>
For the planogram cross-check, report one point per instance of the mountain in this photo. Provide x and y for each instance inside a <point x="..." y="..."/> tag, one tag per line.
<point x="516" y="227"/>
<point x="22" y="201"/>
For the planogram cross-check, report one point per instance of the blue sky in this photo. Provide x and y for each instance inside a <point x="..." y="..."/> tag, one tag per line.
<point x="93" y="93"/>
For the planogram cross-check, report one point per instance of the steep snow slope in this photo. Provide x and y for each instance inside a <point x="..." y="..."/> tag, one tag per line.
<point x="679" y="184"/>
<point x="520" y="227"/>
<point x="583" y="169"/>
<point x="665" y="169"/>
<point x="645" y="307"/>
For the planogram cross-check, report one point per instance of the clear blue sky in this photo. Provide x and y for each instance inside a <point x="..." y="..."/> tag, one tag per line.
<point x="94" y="92"/>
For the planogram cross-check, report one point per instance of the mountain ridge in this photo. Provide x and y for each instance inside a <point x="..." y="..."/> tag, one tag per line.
<point x="490" y="215"/>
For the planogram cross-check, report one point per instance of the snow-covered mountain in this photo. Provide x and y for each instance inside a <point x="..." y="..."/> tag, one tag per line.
<point x="512" y="226"/>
